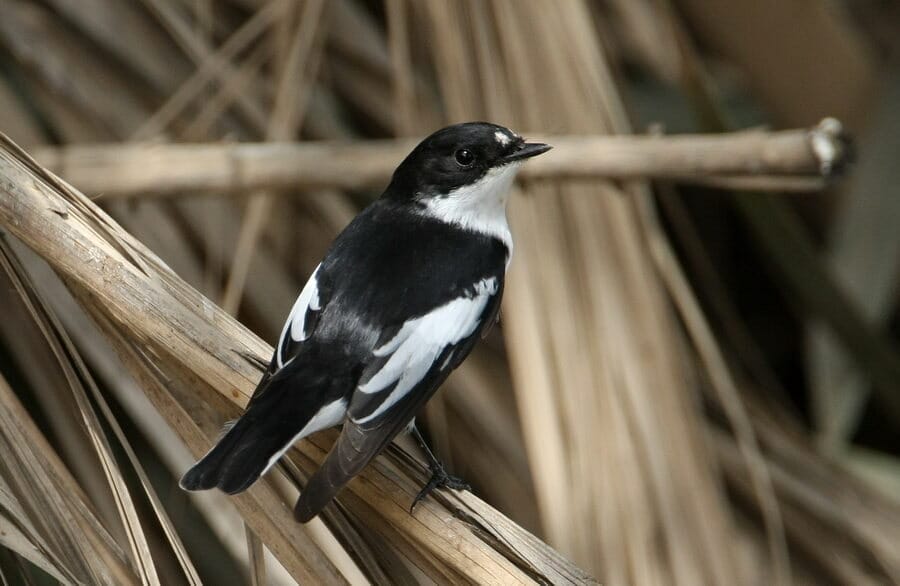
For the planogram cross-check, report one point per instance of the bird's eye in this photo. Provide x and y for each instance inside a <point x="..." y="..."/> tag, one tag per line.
<point x="464" y="157"/>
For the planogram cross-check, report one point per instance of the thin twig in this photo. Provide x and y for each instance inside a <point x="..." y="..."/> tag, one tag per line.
<point x="195" y="47"/>
<point x="215" y="64"/>
<point x="769" y="160"/>
<point x="301" y="61"/>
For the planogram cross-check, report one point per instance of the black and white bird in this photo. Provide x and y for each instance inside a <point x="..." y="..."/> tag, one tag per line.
<point x="398" y="302"/>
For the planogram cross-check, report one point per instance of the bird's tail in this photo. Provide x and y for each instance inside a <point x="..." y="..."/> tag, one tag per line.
<point x="239" y="459"/>
<point x="355" y="447"/>
<point x="288" y="408"/>
<point x="329" y="479"/>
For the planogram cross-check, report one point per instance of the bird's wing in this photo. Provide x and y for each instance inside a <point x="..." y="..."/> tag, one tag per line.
<point x="298" y="327"/>
<point x="422" y="346"/>
<point x="302" y="320"/>
<point x="295" y="398"/>
<point x="406" y="367"/>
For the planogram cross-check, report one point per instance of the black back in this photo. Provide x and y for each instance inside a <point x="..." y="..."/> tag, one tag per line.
<point x="405" y="265"/>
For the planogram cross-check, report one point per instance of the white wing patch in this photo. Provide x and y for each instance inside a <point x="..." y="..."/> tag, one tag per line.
<point x="296" y="321"/>
<point x="328" y="416"/>
<point x="420" y="341"/>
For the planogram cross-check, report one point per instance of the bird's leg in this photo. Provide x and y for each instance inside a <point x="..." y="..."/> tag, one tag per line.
<point x="439" y="477"/>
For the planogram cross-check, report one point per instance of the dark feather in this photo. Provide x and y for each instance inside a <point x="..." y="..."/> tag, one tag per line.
<point x="273" y="418"/>
<point x="393" y="265"/>
<point x="360" y="442"/>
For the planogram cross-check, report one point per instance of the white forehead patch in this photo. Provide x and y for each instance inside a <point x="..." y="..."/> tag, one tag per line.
<point x="501" y="137"/>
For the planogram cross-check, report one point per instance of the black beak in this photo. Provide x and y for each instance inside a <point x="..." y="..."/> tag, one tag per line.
<point x="526" y="151"/>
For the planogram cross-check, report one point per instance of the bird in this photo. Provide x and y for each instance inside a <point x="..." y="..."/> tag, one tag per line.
<point x="399" y="300"/>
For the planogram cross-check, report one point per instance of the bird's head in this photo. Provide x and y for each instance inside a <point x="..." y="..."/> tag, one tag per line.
<point x="471" y="160"/>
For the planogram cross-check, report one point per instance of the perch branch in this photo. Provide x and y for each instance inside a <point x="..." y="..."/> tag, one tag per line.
<point x="790" y="160"/>
<point x="458" y="536"/>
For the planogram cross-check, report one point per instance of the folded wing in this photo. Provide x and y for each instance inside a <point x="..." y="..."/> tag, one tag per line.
<point x="405" y="369"/>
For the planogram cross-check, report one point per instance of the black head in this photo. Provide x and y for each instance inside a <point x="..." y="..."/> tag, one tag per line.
<point x="457" y="156"/>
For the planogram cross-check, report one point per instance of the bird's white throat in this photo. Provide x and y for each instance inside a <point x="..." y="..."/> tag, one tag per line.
<point x="481" y="206"/>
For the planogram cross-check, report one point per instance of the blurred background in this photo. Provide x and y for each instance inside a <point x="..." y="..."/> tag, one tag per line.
<point x="689" y="384"/>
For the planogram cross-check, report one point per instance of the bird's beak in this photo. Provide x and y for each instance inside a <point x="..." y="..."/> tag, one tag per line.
<point x="526" y="151"/>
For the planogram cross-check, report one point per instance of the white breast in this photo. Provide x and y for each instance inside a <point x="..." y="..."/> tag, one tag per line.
<point x="480" y="207"/>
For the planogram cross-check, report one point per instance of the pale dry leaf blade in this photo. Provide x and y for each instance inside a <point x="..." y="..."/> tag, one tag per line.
<point x="57" y="505"/>
<point x="76" y="374"/>
<point x="257" y="558"/>
<point x="12" y="538"/>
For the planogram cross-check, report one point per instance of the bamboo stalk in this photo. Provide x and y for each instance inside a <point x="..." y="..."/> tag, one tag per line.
<point x="473" y="542"/>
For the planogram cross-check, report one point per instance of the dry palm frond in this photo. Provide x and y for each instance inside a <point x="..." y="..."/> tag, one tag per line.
<point x="45" y="503"/>
<point x="585" y="371"/>
<point x="80" y="382"/>
<point x="153" y="279"/>
<point x="584" y="384"/>
<point x="74" y="372"/>
<point x="727" y="393"/>
<point x="778" y="231"/>
<point x="263" y="509"/>
<point x="257" y="561"/>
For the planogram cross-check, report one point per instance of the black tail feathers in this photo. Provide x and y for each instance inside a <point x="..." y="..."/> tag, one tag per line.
<point x="236" y="462"/>
<point x="277" y="415"/>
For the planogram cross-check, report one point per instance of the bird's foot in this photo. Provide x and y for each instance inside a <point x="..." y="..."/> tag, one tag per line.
<point x="439" y="479"/>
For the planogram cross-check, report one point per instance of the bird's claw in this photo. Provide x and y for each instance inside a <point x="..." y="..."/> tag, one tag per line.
<point x="439" y="479"/>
